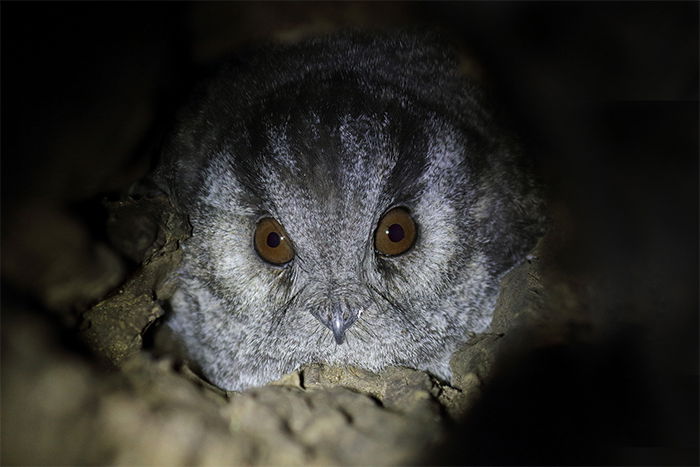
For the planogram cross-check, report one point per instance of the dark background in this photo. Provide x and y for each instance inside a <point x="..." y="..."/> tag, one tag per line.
<point x="605" y="96"/>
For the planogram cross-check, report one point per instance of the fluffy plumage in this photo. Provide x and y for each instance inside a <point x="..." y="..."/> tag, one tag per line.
<point x="326" y="136"/>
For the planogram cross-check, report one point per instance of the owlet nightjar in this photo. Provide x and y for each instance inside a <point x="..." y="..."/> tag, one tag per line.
<point x="352" y="202"/>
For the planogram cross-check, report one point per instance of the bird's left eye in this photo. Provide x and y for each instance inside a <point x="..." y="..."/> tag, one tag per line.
<point x="395" y="233"/>
<point x="271" y="242"/>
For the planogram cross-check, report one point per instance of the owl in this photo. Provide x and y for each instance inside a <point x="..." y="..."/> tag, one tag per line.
<point x="352" y="201"/>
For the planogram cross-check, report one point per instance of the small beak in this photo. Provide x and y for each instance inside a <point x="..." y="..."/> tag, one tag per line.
<point x="338" y="319"/>
<point x="338" y="327"/>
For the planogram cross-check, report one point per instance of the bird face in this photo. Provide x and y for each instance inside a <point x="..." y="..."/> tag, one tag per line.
<point x="340" y="219"/>
<point x="341" y="240"/>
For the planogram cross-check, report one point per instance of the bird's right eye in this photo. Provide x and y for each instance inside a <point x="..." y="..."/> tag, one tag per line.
<point x="272" y="243"/>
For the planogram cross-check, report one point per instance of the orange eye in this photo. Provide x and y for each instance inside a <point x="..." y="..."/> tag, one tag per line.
<point x="271" y="242"/>
<point x="395" y="233"/>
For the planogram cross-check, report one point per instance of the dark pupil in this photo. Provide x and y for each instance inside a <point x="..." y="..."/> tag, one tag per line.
<point x="395" y="233"/>
<point x="273" y="239"/>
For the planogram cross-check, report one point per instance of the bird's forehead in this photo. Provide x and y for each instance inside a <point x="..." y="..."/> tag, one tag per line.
<point x="327" y="182"/>
<point x="328" y="174"/>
